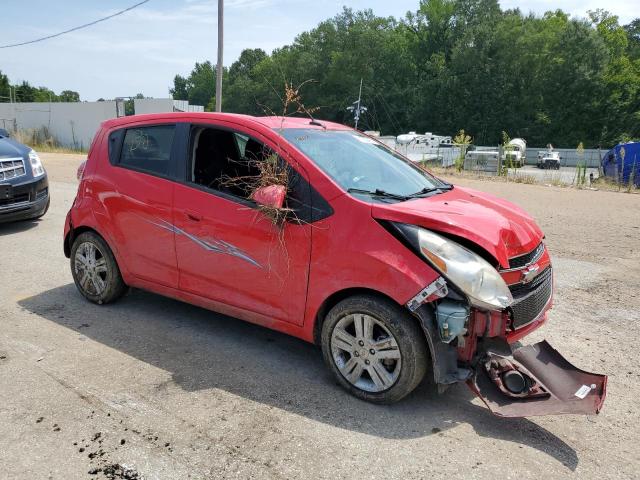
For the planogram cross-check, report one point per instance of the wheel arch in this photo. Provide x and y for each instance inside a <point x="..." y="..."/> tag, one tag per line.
<point x="73" y="233"/>
<point x="421" y="317"/>
<point x="336" y="297"/>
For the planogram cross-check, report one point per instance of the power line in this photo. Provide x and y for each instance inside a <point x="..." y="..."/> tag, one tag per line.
<point x="48" y="37"/>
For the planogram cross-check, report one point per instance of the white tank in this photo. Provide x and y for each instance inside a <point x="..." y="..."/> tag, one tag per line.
<point x="519" y="143"/>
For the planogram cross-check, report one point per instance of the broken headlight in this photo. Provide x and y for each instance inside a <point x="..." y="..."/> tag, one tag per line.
<point x="468" y="271"/>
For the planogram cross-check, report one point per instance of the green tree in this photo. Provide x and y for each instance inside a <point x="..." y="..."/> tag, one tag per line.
<point x="450" y="65"/>
<point x="179" y="90"/>
<point x="620" y="82"/>
<point x="199" y="87"/>
<point x="25" y="92"/>
<point x="129" y="105"/>
<point x="4" y="87"/>
<point x="69" y="96"/>
<point x="633" y="36"/>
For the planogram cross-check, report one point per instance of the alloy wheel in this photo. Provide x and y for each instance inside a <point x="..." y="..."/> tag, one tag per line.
<point x="91" y="268"/>
<point x="366" y="353"/>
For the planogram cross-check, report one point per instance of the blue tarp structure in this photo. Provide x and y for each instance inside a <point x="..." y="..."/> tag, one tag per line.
<point x="621" y="161"/>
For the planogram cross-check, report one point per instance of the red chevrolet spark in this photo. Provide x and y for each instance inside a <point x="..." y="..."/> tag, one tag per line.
<point x="396" y="274"/>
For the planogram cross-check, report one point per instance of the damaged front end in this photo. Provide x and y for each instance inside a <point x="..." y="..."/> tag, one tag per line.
<point x="512" y="381"/>
<point x="473" y="333"/>
<point x="536" y="380"/>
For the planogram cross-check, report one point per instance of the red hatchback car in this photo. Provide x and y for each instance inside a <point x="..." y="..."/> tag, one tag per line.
<point x="395" y="273"/>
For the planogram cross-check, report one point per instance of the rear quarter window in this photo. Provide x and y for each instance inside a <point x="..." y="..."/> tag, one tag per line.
<point x="148" y="149"/>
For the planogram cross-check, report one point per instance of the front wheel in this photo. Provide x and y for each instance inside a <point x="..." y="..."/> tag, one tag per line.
<point x="375" y="349"/>
<point x="94" y="269"/>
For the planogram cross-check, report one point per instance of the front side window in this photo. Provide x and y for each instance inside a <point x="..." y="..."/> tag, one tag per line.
<point x="357" y="162"/>
<point x="148" y="149"/>
<point x="223" y="160"/>
<point x="236" y="164"/>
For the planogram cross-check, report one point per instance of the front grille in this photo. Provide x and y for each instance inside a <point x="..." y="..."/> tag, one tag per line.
<point x="527" y="258"/>
<point x="529" y="299"/>
<point x="13" y="200"/>
<point x="11" y="168"/>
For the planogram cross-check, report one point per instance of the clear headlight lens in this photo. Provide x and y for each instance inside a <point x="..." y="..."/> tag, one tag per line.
<point x="471" y="273"/>
<point x="36" y="164"/>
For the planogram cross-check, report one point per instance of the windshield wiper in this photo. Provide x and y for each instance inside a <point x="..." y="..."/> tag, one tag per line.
<point x="427" y="190"/>
<point x="424" y="191"/>
<point x="378" y="193"/>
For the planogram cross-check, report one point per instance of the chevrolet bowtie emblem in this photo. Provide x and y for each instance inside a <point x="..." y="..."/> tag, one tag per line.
<point x="529" y="273"/>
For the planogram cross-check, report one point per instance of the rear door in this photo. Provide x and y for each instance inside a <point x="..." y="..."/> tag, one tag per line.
<point x="227" y="250"/>
<point x="139" y="201"/>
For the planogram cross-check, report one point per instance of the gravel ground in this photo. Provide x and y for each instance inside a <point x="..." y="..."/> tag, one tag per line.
<point x="153" y="388"/>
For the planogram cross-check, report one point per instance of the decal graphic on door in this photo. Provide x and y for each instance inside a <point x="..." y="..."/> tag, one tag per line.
<point x="210" y="245"/>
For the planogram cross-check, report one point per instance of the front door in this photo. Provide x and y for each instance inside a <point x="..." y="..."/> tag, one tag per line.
<point x="227" y="250"/>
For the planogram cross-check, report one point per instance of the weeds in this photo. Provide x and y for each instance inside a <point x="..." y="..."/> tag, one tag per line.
<point x="632" y="176"/>
<point x="524" y="178"/>
<point x="580" y="178"/>
<point x="463" y="141"/>
<point x="555" y="179"/>
<point x="270" y="171"/>
<point x="270" y="168"/>
<point x="42" y="140"/>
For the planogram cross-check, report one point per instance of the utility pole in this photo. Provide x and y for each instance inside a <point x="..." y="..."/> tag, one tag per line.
<point x="357" y="107"/>
<point x="220" y="49"/>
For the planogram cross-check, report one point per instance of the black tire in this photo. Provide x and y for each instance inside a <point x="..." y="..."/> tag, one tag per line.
<point x="411" y="343"/>
<point x="114" y="286"/>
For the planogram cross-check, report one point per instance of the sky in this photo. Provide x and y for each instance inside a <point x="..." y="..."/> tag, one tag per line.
<point x="142" y="50"/>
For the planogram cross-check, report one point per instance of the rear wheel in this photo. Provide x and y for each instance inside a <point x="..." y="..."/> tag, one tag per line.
<point x="94" y="269"/>
<point x="375" y="349"/>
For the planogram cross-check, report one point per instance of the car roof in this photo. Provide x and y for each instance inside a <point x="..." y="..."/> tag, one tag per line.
<point x="272" y="122"/>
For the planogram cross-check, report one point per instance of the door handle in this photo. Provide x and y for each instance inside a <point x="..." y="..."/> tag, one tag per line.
<point x="195" y="217"/>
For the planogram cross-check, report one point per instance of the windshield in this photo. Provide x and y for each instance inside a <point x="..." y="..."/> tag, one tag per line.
<point x="357" y="162"/>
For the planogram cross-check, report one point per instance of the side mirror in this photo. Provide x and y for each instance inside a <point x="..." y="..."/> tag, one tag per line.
<point x="271" y="196"/>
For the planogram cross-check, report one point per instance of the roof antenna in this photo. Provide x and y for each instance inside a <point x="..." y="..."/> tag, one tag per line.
<point x="357" y="107"/>
<point x="316" y="123"/>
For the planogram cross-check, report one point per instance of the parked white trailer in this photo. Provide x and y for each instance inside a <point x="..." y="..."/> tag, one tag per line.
<point x="427" y="148"/>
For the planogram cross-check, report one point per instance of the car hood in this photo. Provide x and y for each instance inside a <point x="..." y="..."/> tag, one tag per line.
<point x="499" y="227"/>
<point x="11" y="148"/>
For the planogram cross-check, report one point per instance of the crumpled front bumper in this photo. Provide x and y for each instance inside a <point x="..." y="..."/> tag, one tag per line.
<point x="551" y="384"/>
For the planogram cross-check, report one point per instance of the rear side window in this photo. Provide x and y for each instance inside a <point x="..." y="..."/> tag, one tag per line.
<point x="148" y="149"/>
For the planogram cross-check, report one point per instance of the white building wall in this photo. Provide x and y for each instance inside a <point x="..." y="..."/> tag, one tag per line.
<point x="71" y="124"/>
<point x="162" y="105"/>
<point x="74" y="124"/>
<point x="152" y="105"/>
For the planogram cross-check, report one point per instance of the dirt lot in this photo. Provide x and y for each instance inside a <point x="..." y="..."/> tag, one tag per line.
<point x="171" y="391"/>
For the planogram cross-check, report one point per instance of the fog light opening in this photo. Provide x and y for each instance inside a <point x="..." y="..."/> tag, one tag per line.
<point x="515" y="382"/>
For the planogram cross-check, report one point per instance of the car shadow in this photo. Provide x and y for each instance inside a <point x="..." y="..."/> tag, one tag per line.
<point x="18" y="226"/>
<point x="203" y="350"/>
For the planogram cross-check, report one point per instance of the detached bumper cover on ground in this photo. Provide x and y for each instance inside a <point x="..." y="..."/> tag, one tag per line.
<point x="554" y="386"/>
